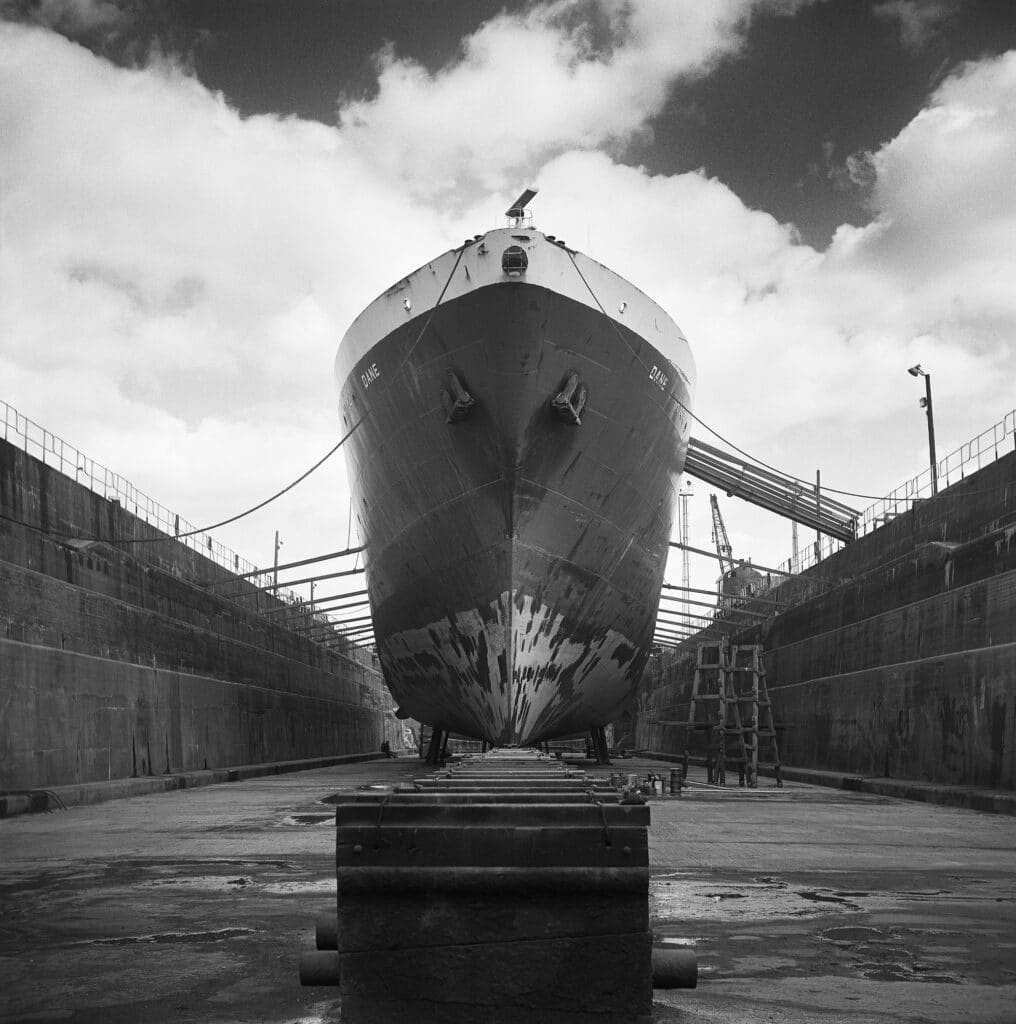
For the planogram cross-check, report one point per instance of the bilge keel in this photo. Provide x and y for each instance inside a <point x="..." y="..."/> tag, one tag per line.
<point x="523" y="422"/>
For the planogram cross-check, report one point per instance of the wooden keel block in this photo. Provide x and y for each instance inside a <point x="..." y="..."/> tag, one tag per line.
<point x="674" y="968"/>
<point x="602" y="975"/>
<point x="407" y="1011"/>
<point x="430" y="918"/>
<point x="326" y="930"/>
<point x="319" y="967"/>
<point x="488" y="881"/>
<point x="496" y="898"/>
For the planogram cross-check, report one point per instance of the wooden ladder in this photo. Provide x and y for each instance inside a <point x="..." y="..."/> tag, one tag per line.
<point x="749" y="693"/>
<point x="731" y="710"/>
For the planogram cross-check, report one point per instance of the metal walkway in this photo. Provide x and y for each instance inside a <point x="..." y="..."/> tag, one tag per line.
<point x="760" y="486"/>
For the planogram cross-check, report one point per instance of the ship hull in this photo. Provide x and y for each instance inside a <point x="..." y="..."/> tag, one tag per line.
<point x="514" y="560"/>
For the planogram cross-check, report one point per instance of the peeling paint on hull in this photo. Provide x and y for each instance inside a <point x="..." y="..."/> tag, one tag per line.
<point x="517" y="673"/>
<point x="513" y="560"/>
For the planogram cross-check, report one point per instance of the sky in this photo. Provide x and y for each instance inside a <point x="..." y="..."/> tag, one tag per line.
<point x="196" y="200"/>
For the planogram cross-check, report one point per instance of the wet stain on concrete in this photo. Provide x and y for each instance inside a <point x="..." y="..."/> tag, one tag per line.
<point x="678" y="897"/>
<point x="308" y="819"/>
<point x="850" y="933"/>
<point x="308" y="887"/>
<point x="219" y="935"/>
<point x="827" y="897"/>
<point x="884" y="955"/>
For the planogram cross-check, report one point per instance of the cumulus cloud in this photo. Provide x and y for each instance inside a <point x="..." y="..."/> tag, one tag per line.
<point x="176" y="278"/>
<point x="802" y="354"/>
<point x="938" y="257"/>
<point x="171" y="239"/>
<point x="918" y="20"/>
<point x="572" y="74"/>
<point x="73" y="18"/>
<point x="167" y="264"/>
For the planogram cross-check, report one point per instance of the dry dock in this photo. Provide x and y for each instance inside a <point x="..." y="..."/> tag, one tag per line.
<point x="804" y="904"/>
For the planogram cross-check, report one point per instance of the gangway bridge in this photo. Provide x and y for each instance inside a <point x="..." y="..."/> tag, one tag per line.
<point x="786" y="496"/>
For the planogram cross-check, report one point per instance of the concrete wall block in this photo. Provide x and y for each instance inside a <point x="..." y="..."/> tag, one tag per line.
<point x="984" y="500"/>
<point x="126" y="659"/>
<point x="144" y="587"/>
<point x="929" y="570"/>
<point x="944" y="719"/>
<point x="72" y="718"/>
<point x="906" y="667"/>
<point x="57" y="510"/>
<point x="966" y="618"/>
<point x="42" y="610"/>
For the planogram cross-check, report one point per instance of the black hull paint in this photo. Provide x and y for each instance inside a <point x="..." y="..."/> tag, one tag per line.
<point x="514" y="561"/>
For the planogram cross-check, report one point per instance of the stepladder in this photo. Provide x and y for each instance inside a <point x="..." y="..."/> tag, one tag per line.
<point x="730" y="714"/>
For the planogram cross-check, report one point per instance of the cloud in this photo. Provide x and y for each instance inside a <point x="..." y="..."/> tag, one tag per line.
<point x="167" y="265"/>
<point x="802" y="354"/>
<point x="176" y="278"/>
<point x="170" y="239"/>
<point x="918" y="20"/>
<point x="940" y="250"/>
<point x="74" y="18"/>
<point x="573" y="74"/>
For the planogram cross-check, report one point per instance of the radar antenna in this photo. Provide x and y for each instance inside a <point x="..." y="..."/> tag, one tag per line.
<point x="516" y="213"/>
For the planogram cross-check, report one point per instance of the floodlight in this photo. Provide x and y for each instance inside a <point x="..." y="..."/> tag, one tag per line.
<point x="916" y="371"/>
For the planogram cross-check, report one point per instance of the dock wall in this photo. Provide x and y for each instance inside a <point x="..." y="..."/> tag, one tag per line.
<point x="897" y="655"/>
<point x="124" y="652"/>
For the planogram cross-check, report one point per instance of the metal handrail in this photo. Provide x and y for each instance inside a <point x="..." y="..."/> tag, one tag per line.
<point x="971" y="456"/>
<point x="54" y="451"/>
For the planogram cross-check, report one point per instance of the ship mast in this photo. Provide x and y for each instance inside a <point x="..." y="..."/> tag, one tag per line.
<point x="685" y="494"/>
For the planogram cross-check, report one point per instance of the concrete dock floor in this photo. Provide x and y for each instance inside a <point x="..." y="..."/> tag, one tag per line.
<point x="806" y="905"/>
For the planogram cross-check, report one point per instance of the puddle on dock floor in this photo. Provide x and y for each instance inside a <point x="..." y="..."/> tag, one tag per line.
<point x="219" y="883"/>
<point x="216" y="935"/>
<point x="678" y="897"/>
<point x="309" y="819"/>
<point x="875" y="935"/>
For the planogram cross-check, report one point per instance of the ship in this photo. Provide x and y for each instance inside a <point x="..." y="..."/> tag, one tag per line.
<point x="517" y="418"/>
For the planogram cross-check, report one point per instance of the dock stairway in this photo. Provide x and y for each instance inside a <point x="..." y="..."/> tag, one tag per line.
<point x="730" y="714"/>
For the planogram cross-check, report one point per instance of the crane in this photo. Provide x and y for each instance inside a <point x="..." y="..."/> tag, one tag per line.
<point x="737" y="579"/>
<point x="720" y="539"/>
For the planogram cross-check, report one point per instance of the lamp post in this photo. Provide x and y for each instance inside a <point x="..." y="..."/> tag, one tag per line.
<point x="275" y="569"/>
<point x="916" y="371"/>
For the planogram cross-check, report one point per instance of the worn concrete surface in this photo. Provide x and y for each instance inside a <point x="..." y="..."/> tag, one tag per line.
<point x="804" y="904"/>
